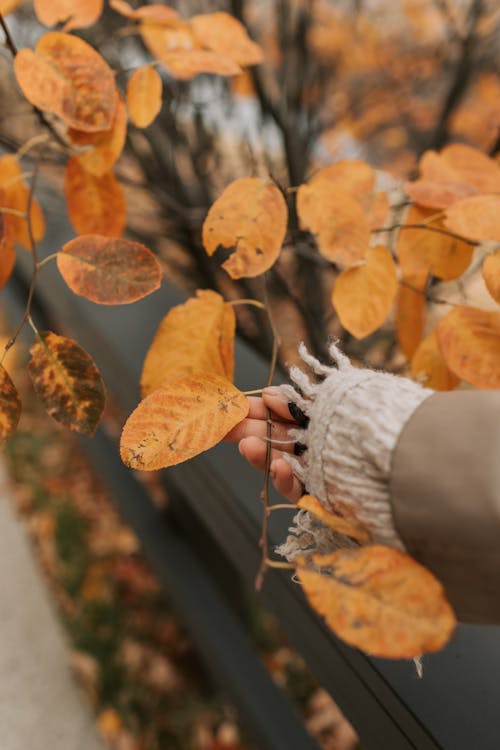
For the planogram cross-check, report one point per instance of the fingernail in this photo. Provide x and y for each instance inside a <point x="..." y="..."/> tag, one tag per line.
<point x="299" y="449"/>
<point x="240" y="447"/>
<point x="299" y="416"/>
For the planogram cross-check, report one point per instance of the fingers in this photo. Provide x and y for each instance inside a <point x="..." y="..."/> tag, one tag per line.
<point x="277" y="403"/>
<point x="258" y="428"/>
<point x="254" y="450"/>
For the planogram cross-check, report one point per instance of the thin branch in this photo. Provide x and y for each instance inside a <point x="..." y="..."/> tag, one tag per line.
<point x="430" y="228"/>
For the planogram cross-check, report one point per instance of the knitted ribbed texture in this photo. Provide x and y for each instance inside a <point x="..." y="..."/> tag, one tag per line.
<point x="355" y="418"/>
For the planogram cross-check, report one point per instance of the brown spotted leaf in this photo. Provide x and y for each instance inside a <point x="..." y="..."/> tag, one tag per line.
<point x="67" y="381"/>
<point x="469" y="340"/>
<point x="109" y="271"/>
<point x="333" y="520"/>
<point x="100" y="151"/>
<point x="14" y="193"/>
<point x="144" y="96"/>
<point x="379" y="600"/>
<point x="10" y="406"/>
<point x="491" y="275"/>
<point x="96" y="205"/>
<point x="75" y="14"/>
<point x="181" y="420"/>
<point x="429" y="368"/>
<point x="197" y="336"/>
<point x="251" y="217"/>
<point x="225" y="35"/>
<point x="68" y="77"/>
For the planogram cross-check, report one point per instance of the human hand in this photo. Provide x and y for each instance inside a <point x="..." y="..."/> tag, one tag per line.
<point x="251" y="436"/>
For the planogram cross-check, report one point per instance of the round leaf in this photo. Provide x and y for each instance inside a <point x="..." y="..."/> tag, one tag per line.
<point x="469" y="340"/>
<point x="197" y="336"/>
<point x="144" y="96"/>
<point x="225" y="35"/>
<point x="477" y="218"/>
<point x="103" y="148"/>
<point x="380" y="600"/>
<point x="363" y="296"/>
<point x="437" y="194"/>
<point x="75" y="14"/>
<point x="96" y="205"/>
<point x="67" y="381"/>
<point x="251" y="217"/>
<point x="10" y="406"/>
<point x="491" y="275"/>
<point x="429" y="367"/>
<point x="184" y="418"/>
<point x="107" y="271"/>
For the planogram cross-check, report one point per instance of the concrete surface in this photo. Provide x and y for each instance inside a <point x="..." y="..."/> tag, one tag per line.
<point x="41" y="707"/>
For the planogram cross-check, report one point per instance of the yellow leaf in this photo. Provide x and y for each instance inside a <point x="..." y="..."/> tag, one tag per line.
<point x="476" y="217"/>
<point x="469" y="340"/>
<point x="251" y="217"/>
<point x="96" y="205"/>
<point x="180" y="420"/>
<point x="363" y="296"/>
<point x="491" y="275"/>
<point x="144" y="96"/>
<point x="10" y="406"/>
<point x="14" y="193"/>
<point x="333" y="520"/>
<point x="197" y="336"/>
<point x="225" y="35"/>
<point x="380" y="600"/>
<point x="75" y="14"/>
<point x="104" y="147"/>
<point x="410" y="318"/>
<point x="429" y="368"/>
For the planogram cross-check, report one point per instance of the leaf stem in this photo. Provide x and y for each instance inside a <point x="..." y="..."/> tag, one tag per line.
<point x="254" y="302"/>
<point x="47" y="259"/>
<point x="252" y="393"/>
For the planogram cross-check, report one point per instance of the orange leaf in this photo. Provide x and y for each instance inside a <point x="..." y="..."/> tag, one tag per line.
<point x="109" y="272"/>
<point x="437" y="194"/>
<point x="77" y="14"/>
<point x="68" y="77"/>
<point x="67" y="381"/>
<point x="226" y="36"/>
<point x="104" y="147"/>
<point x="96" y="205"/>
<point x="333" y="520"/>
<point x="469" y="340"/>
<point x="435" y="168"/>
<point x="251" y="217"/>
<point x="380" y="600"/>
<point x="337" y="220"/>
<point x="14" y="193"/>
<point x="429" y="368"/>
<point x="197" y="336"/>
<point x="10" y="406"/>
<point x="473" y="166"/>
<point x="491" y="275"/>
<point x="376" y="207"/>
<point x="363" y="296"/>
<point x="350" y="175"/>
<point x="7" y="252"/>
<point x="180" y="420"/>
<point x="476" y="217"/>
<point x="157" y="14"/>
<point x="144" y="96"/>
<point x="7" y="6"/>
<point x="410" y="318"/>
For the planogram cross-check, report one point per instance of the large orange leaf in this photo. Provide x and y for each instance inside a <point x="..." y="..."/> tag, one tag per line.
<point x="75" y="14"/>
<point x="224" y="34"/>
<point x="435" y="168"/>
<point x="101" y="150"/>
<point x="438" y="194"/>
<point x="96" y="205"/>
<point x="350" y="175"/>
<point x="334" y="521"/>
<point x="154" y="13"/>
<point x="251" y="217"/>
<point x="7" y="251"/>
<point x="66" y="76"/>
<point x="491" y="275"/>
<point x="363" y="296"/>
<point x="144" y="96"/>
<point x="473" y="166"/>
<point x="410" y="317"/>
<point x="180" y="420"/>
<point x="476" y="217"/>
<point x="337" y="220"/>
<point x="107" y="271"/>
<point x="67" y="382"/>
<point x="10" y="406"/>
<point x="14" y="193"/>
<point x="197" y="336"/>
<point x="469" y="340"/>
<point x="380" y="600"/>
<point x="421" y="251"/>
<point x="429" y="368"/>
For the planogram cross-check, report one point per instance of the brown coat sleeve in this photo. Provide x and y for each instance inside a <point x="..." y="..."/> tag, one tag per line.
<point x="445" y="492"/>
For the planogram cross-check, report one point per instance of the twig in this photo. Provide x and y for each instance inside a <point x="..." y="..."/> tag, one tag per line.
<point x="430" y="228"/>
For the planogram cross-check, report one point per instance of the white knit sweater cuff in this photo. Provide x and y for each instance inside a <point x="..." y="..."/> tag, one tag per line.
<point x="355" y="418"/>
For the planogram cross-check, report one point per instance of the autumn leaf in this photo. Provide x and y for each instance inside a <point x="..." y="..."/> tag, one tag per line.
<point x="363" y="296"/>
<point x="103" y="149"/>
<point x="491" y="275"/>
<point x="197" y="336"/>
<point x="180" y="420"/>
<point x="68" y="77"/>
<point x="469" y="340"/>
<point x="154" y="13"/>
<point x="251" y="217"/>
<point x="352" y="176"/>
<point x="474" y="167"/>
<point x="410" y="317"/>
<point x="7" y="251"/>
<point x="333" y="520"/>
<point x="225" y="35"/>
<point x="14" y="193"/>
<point x="429" y="368"/>
<point x="7" y="6"/>
<point x="476" y="217"/>
<point x="144" y="96"/>
<point x="437" y="195"/>
<point x="67" y="381"/>
<point x="109" y="271"/>
<point x="96" y="205"/>
<point x="380" y="600"/>
<point x="10" y="406"/>
<point x="75" y="14"/>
